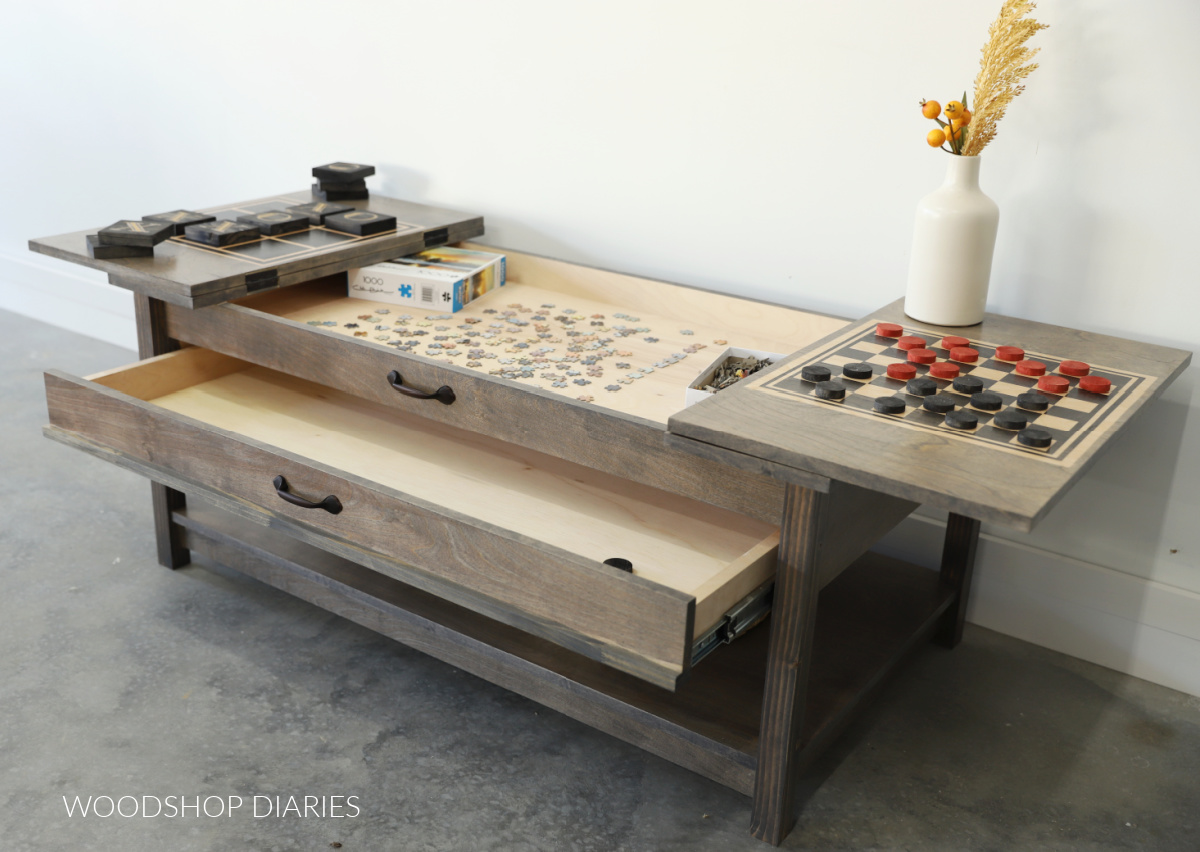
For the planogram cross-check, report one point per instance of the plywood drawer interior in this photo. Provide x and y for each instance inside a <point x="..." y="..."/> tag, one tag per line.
<point x="699" y="558"/>
<point x="607" y="305"/>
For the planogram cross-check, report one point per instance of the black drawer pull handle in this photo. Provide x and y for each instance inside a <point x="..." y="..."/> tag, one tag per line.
<point x="444" y="394"/>
<point x="330" y="504"/>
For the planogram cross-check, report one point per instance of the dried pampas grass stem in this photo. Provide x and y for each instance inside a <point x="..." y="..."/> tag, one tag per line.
<point x="1005" y="63"/>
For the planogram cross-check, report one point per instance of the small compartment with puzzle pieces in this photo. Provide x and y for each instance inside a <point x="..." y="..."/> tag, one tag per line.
<point x="619" y="572"/>
<point x="729" y="368"/>
<point x="563" y="359"/>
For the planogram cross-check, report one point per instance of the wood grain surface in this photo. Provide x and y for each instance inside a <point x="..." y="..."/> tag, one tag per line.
<point x="190" y="275"/>
<point x="971" y="480"/>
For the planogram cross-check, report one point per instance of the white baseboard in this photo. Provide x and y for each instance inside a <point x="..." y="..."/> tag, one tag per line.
<point x="1127" y="623"/>
<point x="74" y="298"/>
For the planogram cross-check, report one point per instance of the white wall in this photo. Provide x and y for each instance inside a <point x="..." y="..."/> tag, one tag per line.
<point x="761" y="148"/>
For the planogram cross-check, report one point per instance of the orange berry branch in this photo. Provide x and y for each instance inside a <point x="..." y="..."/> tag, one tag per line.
<point x="1002" y="67"/>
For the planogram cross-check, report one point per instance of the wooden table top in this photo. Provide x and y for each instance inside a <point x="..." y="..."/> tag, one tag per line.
<point x="775" y="417"/>
<point x="193" y="275"/>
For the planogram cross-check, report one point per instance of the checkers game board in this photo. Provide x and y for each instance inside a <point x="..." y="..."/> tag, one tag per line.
<point x="269" y="250"/>
<point x="1067" y="418"/>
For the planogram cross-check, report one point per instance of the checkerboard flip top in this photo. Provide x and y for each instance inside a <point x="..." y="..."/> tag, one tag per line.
<point x="1067" y="419"/>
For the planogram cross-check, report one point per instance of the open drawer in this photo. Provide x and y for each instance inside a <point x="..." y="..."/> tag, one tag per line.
<point x="575" y="362"/>
<point x="506" y="531"/>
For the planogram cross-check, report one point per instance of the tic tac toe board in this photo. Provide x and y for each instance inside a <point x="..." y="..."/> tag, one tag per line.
<point x="194" y="275"/>
<point x="983" y="473"/>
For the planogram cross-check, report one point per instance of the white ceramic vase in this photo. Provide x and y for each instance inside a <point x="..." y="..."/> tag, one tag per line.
<point x="953" y="239"/>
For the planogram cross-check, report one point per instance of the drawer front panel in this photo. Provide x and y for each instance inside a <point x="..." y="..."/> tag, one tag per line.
<point x="559" y="426"/>
<point x="624" y="620"/>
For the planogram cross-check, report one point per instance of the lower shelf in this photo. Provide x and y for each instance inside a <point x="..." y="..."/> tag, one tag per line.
<point x="868" y="618"/>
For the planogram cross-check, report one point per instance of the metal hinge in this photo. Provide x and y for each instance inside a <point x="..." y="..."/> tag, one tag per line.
<point x="745" y="614"/>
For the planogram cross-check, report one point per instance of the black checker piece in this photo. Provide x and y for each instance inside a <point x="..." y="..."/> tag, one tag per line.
<point x="987" y="401"/>
<point x="940" y="404"/>
<point x="830" y="390"/>
<point x="890" y="405"/>
<point x="922" y="386"/>
<point x="969" y="385"/>
<point x="816" y="373"/>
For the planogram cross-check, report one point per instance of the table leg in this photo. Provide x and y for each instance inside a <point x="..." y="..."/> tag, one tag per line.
<point x="958" y="564"/>
<point x="153" y="340"/>
<point x="793" y="618"/>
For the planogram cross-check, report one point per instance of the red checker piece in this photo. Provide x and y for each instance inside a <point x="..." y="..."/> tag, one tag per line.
<point x="1095" y="384"/>
<point x="1031" y="368"/>
<point x="901" y="371"/>
<point x="943" y="370"/>
<point x="965" y="354"/>
<point x="1053" y="384"/>
<point x="922" y="356"/>
<point x="911" y="342"/>
<point x="1074" y="368"/>
<point x="889" y="329"/>
<point x="953" y="340"/>
<point x="1010" y="353"/>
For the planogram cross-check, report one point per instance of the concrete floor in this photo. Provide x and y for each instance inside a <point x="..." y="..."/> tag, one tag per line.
<point x="118" y="677"/>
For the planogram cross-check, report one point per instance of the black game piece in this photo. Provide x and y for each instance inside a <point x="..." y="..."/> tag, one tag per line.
<point x="1033" y="401"/>
<point x="342" y="172"/>
<point x="344" y="187"/>
<point x="180" y="219"/>
<point x="318" y="210"/>
<point x="987" y="401"/>
<point x="1013" y="421"/>
<point x="273" y="222"/>
<point x="222" y="233"/>
<point x="364" y="223"/>
<point x="968" y="384"/>
<point x="922" y="386"/>
<point x="830" y="390"/>
<point x="618" y="562"/>
<point x="858" y="371"/>
<point x="1034" y="437"/>
<point x="890" y="405"/>
<point x="939" y="404"/>
<point x="815" y="373"/>
<point x="963" y="420"/>
<point x="100" y="251"/>
<point x="130" y="232"/>
<point x="320" y="192"/>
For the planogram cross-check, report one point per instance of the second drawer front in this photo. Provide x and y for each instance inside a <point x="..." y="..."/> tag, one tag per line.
<point x="626" y="621"/>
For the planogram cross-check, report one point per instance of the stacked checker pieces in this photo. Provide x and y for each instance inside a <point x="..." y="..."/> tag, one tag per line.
<point x="935" y="384"/>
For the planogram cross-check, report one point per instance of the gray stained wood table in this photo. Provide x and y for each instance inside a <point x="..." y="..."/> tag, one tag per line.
<point x="778" y="424"/>
<point x="777" y="479"/>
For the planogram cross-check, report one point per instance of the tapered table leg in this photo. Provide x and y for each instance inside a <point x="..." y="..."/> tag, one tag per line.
<point x="793" y="618"/>
<point x="958" y="564"/>
<point x="153" y="340"/>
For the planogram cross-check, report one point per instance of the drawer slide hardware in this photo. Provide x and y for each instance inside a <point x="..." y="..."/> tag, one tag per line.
<point x="745" y="614"/>
<point x="444" y="394"/>
<point x="330" y="504"/>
